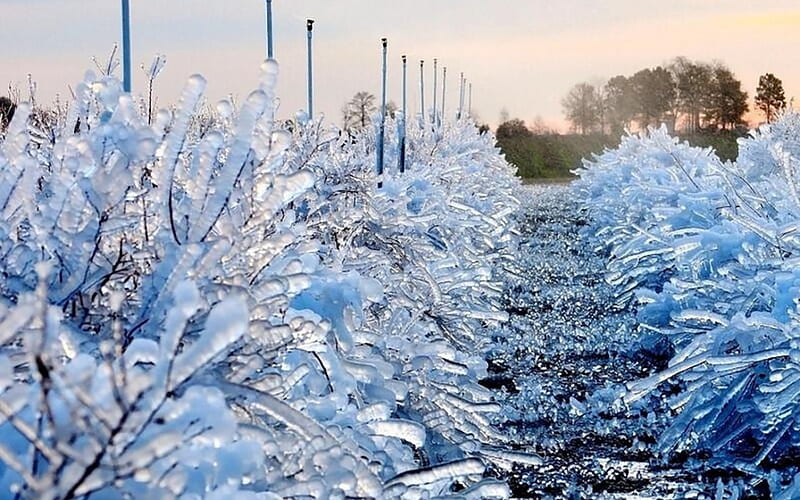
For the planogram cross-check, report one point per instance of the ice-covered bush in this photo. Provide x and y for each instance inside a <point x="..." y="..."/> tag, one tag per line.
<point x="211" y="304"/>
<point x="430" y="250"/>
<point x="440" y="276"/>
<point x="116" y="216"/>
<point x="710" y="251"/>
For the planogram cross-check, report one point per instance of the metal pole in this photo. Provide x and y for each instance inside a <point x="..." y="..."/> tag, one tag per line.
<point x="435" y="89"/>
<point x="382" y="124"/>
<point x="310" y="29"/>
<point x="402" y="140"/>
<point x="422" y="89"/>
<point x="461" y="97"/>
<point x="270" y="53"/>
<point x="444" y="89"/>
<point x="405" y="66"/>
<point x="464" y="100"/>
<point x="126" y="45"/>
<point x="469" y="112"/>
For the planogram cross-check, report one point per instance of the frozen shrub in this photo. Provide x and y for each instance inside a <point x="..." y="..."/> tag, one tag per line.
<point x="710" y="251"/>
<point x="214" y="305"/>
<point x="7" y="108"/>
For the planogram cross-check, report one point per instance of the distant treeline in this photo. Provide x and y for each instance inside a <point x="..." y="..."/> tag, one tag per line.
<point x="688" y="96"/>
<point x="702" y="103"/>
<point x="554" y="156"/>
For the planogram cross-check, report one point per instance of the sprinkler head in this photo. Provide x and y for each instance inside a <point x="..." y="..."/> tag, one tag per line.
<point x="310" y="24"/>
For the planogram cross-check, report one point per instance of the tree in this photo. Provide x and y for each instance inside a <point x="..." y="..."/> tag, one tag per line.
<point x="7" y="108"/>
<point x="602" y="108"/>
<point x="769" y="95"/>
<point x="727" y="102"/>
<point x="391" y="109"/>
<point x="581" y="107"/>
<point x="540" y="127"/>
<point x="656" y="94"/>
<point x="513" y="128"/>
<point x="504" y="116"/>
<point x="358" y="110"/>
<point x="620" y="104"/>
<point x="693" y="84"/>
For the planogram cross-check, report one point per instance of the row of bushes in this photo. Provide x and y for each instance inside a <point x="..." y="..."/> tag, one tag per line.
<point x="708" y="251"/>
<point x="554" y="156"/>
<point x="213" y="306"/>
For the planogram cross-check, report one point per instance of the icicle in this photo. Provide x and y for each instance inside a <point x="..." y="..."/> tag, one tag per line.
<point x="447" y="471"/>
<point x="175" y="142"/>
<point x="226" y="323"/>
<point x="406" y="430"/>
<point x="235" y="163"/>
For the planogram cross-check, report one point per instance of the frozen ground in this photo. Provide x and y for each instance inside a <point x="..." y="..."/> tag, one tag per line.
<point x="567" y="351"/>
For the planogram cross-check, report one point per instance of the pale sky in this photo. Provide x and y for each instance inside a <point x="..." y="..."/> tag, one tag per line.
<point x="522" y="55"/>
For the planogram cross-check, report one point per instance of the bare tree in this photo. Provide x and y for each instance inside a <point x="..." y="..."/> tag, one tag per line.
<point x="601" y="100"/>
<point x="358" y="110"/>
<point x="504" y="115"/>
<point x="693" y="82"/>
<point x="581" y="108"/>
<point x="620" y="104"/>
<point x="391" y="109"/>
<point x="540" y="127"/>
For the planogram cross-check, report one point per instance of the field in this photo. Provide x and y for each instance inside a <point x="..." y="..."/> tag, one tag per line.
<point x="208" y="302"/>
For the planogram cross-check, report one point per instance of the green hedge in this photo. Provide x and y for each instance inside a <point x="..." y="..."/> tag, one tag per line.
<point x="553" y="156"/>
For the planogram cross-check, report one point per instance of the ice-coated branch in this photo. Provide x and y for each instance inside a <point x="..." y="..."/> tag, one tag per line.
<point x="234" y="308"/>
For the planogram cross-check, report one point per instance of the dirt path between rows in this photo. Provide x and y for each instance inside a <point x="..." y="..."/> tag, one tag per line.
<point x="561" y="364"/>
